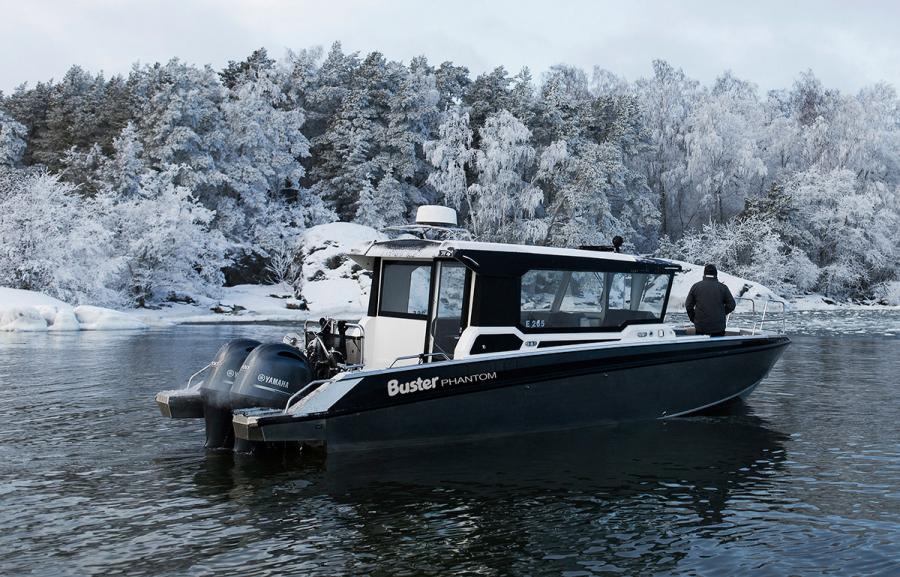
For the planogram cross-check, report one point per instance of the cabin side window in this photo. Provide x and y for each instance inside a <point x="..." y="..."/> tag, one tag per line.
<point x="561" y="299"/>
<point x="638" y="292"/>
<point x="590" y="300"/>
<point x="405" y="289"/>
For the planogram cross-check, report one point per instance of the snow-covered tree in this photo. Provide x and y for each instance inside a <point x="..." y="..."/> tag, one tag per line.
<point x="347" y="161"/>
<point x="451" y="82"/>
<point x="503" y="203"/>
<point x="848" y="229"/>
<point x="28" y="106"/>
<point x="354" y="147"/>
<point x="391" y="197"/>
<point x="579" y="182"/>
<point x="264" y="148"/>
<point x="165" y="238"/>
<point x="82" y="167"/>
<point x="748" y="247"/>
<point x="521" y="100"/>
<point x="382" y="206"/>
<point x="53" y="240"/>
<point x="724" y="158"/>
<point x="565" y="105"/>
<point x="12" y="140"/>
<point x="615" y="122"/>
<point x="326" y="88"/>
<point x="179" y="118"/>
<point x="237" y="73"/>
<point x="450" y="154"/>
<point x="667" y="100"/>
<point x="412" y="116"/>
<point x="123" y="171"/>
<point x="367" y="209"/>
<point x="487" y="95"/>
<point x="878" y="134"/>
<point x="80" y="110"/>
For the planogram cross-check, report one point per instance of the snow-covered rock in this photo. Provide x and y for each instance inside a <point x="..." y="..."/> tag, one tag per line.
<point x="26" y="311"/>
<point x="332" y="284"/>
<point x="66" y="319"/>
<point x="890" y="294"/>
<point x="22" y="310"/>
<point x="24" y="319"/>
<point x="91" y="318"/>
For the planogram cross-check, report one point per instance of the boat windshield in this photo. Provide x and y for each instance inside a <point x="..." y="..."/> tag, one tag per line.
<point x="564" y="299"/>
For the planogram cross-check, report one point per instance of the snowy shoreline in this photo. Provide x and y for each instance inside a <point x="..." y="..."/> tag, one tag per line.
<point x="29" y="311"/>
<point x="330" y="285"/>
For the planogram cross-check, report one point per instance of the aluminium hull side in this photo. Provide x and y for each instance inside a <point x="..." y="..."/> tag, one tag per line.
<point x="513" y="394"/>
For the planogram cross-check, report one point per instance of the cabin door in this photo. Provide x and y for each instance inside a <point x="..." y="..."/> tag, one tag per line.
<point x="445" y="325"/>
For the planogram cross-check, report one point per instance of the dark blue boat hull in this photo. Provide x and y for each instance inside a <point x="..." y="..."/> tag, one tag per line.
<point x="513" y="394"/>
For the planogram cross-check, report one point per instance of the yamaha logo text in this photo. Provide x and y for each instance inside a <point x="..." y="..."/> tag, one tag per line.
<point x="264" y="378"/>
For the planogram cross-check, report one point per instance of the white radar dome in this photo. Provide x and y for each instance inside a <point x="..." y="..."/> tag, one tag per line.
<point x="436" y="215"/>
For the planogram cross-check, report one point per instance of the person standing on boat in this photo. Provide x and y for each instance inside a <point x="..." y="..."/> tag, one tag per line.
<point x="708" y="303"/>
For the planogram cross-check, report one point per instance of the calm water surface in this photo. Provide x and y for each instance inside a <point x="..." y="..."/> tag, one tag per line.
<point x="802" y="480"/>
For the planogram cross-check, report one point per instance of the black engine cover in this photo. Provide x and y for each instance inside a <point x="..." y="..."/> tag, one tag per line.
<point x="269" y="376"/>
<point x="216" y="391"/>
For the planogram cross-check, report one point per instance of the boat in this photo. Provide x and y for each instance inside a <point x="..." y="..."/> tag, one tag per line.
<point x="465" y="340"/>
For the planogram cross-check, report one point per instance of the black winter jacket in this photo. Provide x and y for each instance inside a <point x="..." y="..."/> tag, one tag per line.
<point x="707" y="304"/>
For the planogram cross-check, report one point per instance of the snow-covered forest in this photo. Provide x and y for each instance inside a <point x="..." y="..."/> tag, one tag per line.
<point x="178" y="179"/>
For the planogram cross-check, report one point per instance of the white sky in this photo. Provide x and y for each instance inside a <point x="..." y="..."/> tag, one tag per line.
<point x="848" y="43"/>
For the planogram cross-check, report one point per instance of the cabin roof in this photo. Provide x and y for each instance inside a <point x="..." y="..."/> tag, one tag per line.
<point x="506" y="259"/>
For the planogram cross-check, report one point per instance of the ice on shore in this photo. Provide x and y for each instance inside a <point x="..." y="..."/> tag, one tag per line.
<point x="91" y="318"/>
<point x="29" y="311"/>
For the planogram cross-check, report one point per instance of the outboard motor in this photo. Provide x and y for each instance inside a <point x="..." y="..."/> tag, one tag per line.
<point x="190" y="402"/>
<point x="215" y="391"/>
<point x="270" y="375"/>
<point x="245" y="374"/>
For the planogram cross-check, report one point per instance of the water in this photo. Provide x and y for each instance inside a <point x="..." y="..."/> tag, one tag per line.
<point x="802" y="480"/>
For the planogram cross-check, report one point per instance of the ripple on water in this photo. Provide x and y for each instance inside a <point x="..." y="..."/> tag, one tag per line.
<point x="803" y="480"/>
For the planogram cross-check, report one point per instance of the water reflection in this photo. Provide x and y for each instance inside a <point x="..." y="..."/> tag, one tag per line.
<point x="613" y="497"/>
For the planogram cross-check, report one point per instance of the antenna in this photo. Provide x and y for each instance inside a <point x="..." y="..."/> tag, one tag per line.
<point x="436" y="215"/>
<point x="434" y="221"/>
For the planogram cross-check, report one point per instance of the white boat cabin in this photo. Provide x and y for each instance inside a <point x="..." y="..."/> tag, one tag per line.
<point x="436" y="300"/>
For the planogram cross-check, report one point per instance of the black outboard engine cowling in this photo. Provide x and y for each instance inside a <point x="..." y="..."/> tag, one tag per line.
<point x="216" y="391"/>
<point x="270" y="375"/>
